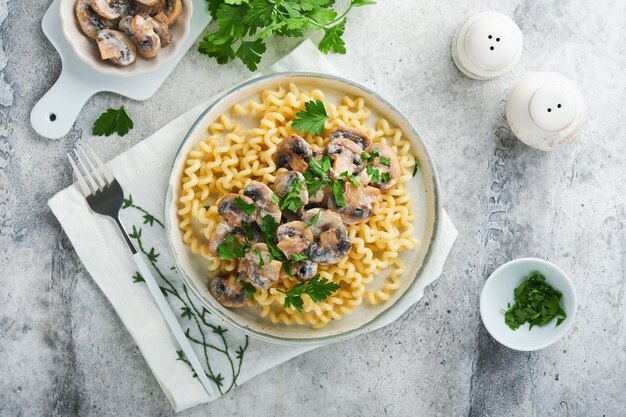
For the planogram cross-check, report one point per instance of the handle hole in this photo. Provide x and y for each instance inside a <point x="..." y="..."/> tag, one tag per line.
<point x="52" y="117"/>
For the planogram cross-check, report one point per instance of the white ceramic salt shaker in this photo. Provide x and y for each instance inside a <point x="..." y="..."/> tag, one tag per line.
<point x="487" y="45"/>
<point x="545" y="110"/>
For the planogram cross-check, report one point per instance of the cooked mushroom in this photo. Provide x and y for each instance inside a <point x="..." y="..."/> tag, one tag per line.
<point x="218" y="236"/>
<point x="228" y="292"/>
<point x="346" y="156"/>
<point x="116" y="47"/>
<point x="259" y="267"/>
<point x="172" y="9"/>
<point x="109" y="9"/>
<point x="386" y="164"/>
<point x="320" y="197"/>
<point x="141" y="31"/>
<point x="359" y="203"/>
<point x="285" y="186"/>
<point x="303" y="270"/>
<point x="355" y="135"/>
<point x="89" y="21"/>
<point x="147" y="2"/>
<point x="293" y="238"/>
<point x="162" y="29"/>
<point x="229" y="208"/>
<point x="265" y="201"/>
<point x="293" y="152"/>
<point x="332" y="241"/>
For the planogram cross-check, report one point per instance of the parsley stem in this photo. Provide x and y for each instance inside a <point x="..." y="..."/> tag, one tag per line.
<point x="338" y="19"/>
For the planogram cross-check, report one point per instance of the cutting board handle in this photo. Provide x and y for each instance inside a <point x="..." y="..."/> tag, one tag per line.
<point x="55" y="113"/>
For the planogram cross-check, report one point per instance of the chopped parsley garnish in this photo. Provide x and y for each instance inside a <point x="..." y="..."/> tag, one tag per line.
<point x="317" y="289"/>
<point x="207" y="207"/>
<point x="258" y="253"/>
<point x="338" y="193"/>
<point x="275" y="199"/>
<point x="350" y="178"/>
<point x="112" y="121"/>
<point x="536" y="303"/>
<point x="366" y="156"/>
<point x="268" y="228"/>
<point x="373" y="173"/>
<point x="249" y="209"/>
<point x="384" y="177"/>
<point x="248" y="288"/>
<point x="297" y="257"/>
<point x="385" y="161"/>
<point x="248" y="229"/>
<point x="315" y="218"/>
<point x="312" y="118"/>
<point x="320" y="168"/>
<point x="292" y="200"/>
<point x="231" y="248"/>
<point x="416" y="166"/>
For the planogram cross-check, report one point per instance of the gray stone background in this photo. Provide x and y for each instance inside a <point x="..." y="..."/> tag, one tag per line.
<point x="64" y="352"/>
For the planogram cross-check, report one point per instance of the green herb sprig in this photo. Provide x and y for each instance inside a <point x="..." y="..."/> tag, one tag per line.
<point x="231" y="248"/>
<point x="113" y="121"/>
<point x="536" y="303"/>
<point x="292" y="200"/>
<point x="247" y="208"/>
<point x="316" y="288"/>
<point x="244" y="25"/>
<point x="312" y="118"/>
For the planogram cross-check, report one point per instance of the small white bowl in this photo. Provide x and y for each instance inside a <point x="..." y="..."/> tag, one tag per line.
<point x="87" y="49"/>
<point x="498" y="291"/>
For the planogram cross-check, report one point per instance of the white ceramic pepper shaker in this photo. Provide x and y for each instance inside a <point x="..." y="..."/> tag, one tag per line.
<point x="545" y="110"/>
<point x="487" y="45"/>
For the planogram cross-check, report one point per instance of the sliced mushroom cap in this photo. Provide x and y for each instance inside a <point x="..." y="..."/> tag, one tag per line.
<point x="293" y="238"/>
<point x="141" y="31"/>
<point x="147" y="2"/>
<point x="346" y="157"/>
<point x="293" y="152"/>
<point x="172" y="9"/>
<point x="333" y="245"/>
<point x="385" y="162"/>
<point x="355" y="135"/>
<point x="116" y="47"/>
<point x="162" y="30"/>
<point x="89" y="21"/>
<point x="218" y="236"/>
<point x="326" y="220"/>
<point x="228" y="292"/>
<point x="287" y="181"/>
<point x="259" y="267"/>
<point x="230" y="211"/>
<point x="359" y="203"/>
<point x="109" y="9"/>
<point x="303" y="270"/>
<point x="264" y="198"/>
<point x="320" y="197"/>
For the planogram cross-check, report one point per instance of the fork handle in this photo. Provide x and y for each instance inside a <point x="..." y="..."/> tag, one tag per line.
<point x="172" y="322"/>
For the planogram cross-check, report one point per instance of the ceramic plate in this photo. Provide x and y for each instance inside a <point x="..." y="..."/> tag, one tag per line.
<point x="423" y="189"/>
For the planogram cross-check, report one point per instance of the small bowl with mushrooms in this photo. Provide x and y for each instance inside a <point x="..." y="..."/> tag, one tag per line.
<point x="126" y="37"/>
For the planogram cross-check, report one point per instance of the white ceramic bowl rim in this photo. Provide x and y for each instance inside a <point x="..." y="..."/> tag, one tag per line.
<point x="571" y="315"/>
<point x="348" y="333"/>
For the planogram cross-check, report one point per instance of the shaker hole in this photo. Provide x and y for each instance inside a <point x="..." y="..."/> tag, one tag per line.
<point x="52" y="117"/>
<point x="497" y="39"/>
<point x="549" y="109"/>
<point x="491" y="47"/>
<point x="558" y="106"/>
<point x="489" y="37"/>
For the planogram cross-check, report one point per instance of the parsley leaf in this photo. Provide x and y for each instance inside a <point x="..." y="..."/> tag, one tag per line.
<point x="248" y="209"/>
<point x="275" y="199"/>
<point x="373" y="173"/>
<point x="320" y="168"/>
<point x="231" y="248"/>
<point x="292" y="200"/>
<point x="332" y="39"/>
<point x="350" y="178"/>
<point x="250" y="53"/>
<point x="338" y="193"/>
<point x="296" y="257"/>
<point x="248" y="288"/>
<point x="385" y="177"/>
<point x="269" y="227"/>
<point x="315" y="218"/>
<point x="317" y="289"/>
<point x="113" y="121"/>
<point x="385" y="161"/>
<point x="416" y="166"/>
<point x="312" y="118"/>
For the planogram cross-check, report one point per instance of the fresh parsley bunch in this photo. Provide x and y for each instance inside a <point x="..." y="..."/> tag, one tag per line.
<point x="243" y="26"/>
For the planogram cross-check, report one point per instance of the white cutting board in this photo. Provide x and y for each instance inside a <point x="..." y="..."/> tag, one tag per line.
<point x="55" y="113"/>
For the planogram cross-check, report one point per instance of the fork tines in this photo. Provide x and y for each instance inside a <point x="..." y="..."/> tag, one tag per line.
<point x="98" y="176"/>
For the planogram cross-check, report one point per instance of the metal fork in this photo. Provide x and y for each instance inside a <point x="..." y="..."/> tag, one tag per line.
<point x="105" y="196"/>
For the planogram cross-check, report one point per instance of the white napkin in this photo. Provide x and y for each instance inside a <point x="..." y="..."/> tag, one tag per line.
<point x="229" y="356"/>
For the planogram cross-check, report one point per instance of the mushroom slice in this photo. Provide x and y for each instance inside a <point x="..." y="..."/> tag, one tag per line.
<point x="290" y="186"/>
<point x="231" y="208"/>
<point x="89" y="21"/>
<point x="259" y="267"/>
<point x="248" y="233"/>
<point x="346" y="157"/>
<point x="320" y="197"/>
<point x="320" y="220"/>
<point x="228" y="292"/>
<point x="162" y="30"/>
<point x="359" y="203"/>
<point x="109" y="9"/>
<point x="147" y="2"/>
<point x="303" y="270"/>
<point x="355" y="135"/>
<point x="219" y="236"/>
<point x="293" y="238"/>
<point x="333" y="245"/>
<point x="386" y="167"/>
<point x="116" y="47"/>
<point x="293" y="152"/>
<point x="173" y="10"/>
<point x="141" y="31"/>
<point x="265" y="201"/>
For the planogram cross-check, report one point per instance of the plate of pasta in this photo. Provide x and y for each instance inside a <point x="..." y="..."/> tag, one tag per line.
<point x="301" y="207"/>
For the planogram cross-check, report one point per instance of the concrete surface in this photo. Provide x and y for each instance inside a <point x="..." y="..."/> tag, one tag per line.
<point x="64" y="352"/>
